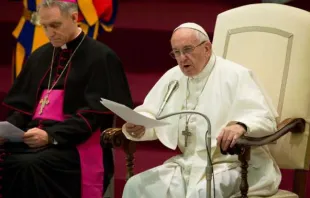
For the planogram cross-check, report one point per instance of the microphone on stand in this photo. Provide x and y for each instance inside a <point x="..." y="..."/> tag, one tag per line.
<point x="209" y="167"/>
<point x="172" y="87"/>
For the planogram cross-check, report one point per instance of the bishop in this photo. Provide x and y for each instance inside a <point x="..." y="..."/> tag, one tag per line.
<point x="53" y="158"/>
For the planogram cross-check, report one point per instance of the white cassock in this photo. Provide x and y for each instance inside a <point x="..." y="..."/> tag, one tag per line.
<point x="230" y="94"/>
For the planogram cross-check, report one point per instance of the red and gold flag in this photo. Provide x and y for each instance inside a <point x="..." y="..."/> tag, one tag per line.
<point x="95" y="16"/>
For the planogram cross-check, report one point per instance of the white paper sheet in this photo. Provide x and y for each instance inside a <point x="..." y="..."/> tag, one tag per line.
<point x="130" y="115"/>
<point x="11" y="132"/>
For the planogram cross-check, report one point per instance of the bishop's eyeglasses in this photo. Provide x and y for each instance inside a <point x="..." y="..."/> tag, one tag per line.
<point x="186" y="50"/>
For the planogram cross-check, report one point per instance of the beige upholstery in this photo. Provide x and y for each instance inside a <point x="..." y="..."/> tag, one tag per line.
<point x="282" y="194"/>
<point x="274" y="41"/>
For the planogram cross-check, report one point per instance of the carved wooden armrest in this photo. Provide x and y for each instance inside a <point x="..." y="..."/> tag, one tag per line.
<point x="116" y="138"/>
<point x="294" y="125"/>
<point x="243" y="146"/>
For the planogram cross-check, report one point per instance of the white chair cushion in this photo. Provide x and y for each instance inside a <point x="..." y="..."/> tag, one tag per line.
<point x="281" y="194"/>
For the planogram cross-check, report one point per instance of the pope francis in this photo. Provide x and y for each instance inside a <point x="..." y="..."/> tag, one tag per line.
<point x="235" y="104"/>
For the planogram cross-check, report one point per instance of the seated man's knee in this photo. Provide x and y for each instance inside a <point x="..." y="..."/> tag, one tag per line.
<point x="22" y="160"/>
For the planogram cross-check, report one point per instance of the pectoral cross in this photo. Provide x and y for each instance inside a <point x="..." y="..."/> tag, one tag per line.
<point x="186" y="134"/>
<point x="43" y="103"/>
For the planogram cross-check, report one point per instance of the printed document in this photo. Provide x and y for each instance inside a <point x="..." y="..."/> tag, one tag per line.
<point x="131" y="116"/>
<point x="11" y="132"/>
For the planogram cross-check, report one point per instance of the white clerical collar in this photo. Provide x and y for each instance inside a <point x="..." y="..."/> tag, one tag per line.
<point x="207" y="69"/>
<point x="64" y="46"/>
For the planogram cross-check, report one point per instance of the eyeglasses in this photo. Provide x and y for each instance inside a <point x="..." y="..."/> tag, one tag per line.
<point x="186" y="50"/>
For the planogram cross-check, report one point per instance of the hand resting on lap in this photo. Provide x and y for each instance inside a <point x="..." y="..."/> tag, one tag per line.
<point x="36" y="138"/>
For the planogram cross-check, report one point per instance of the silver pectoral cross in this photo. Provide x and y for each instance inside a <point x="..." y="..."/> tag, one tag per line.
<point x="186" y="134"/>
<point x="43" y="103"/>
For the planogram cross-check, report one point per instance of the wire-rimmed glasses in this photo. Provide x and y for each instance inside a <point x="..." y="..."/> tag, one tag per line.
<point x="186" y="50"/>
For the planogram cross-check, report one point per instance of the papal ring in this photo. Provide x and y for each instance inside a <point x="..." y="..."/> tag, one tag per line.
<point x="132" y="133"/>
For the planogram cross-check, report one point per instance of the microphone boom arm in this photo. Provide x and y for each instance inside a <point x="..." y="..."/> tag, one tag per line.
<point x="209" y="168"/>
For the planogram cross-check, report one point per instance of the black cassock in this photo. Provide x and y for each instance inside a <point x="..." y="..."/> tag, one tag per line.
<point x="54" y="172"/>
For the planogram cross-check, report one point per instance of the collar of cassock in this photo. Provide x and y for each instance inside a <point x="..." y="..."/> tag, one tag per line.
<point x="71" y="45"/>
<point x="206" y="70"/>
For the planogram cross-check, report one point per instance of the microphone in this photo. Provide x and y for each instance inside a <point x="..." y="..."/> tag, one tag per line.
<point x="172" y="87"/>
<point x="209" y="167"/>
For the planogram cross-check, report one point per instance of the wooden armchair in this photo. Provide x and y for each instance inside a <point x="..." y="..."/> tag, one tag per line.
<point x="243" y="146"/>
<point x="114" y="137"/>
<point x="243" y="150"/>
<point x="273" y="41"/>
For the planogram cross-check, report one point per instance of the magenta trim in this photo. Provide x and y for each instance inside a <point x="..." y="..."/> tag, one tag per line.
<point x="88" y="124"/>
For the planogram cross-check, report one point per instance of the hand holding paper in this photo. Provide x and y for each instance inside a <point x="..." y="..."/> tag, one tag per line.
<point x="131" y="116"/>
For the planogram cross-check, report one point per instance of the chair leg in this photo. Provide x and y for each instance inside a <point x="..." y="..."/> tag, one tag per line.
<point x="300" y="180"/>
<point x="244" y="158"/>
<point x="130" y="149"/>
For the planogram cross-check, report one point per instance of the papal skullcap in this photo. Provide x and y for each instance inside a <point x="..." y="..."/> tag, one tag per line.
<point x="193" y="26"/>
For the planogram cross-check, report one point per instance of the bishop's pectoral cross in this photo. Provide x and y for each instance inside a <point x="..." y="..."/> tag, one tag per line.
<point x="43" y="103"/>
<point x="186" y="134"/>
